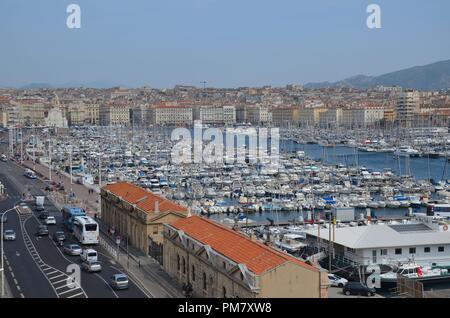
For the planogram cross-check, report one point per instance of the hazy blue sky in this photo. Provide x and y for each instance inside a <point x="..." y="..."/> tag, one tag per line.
<point x="227" y="43"/>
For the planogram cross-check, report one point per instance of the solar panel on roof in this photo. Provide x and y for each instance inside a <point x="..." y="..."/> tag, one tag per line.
<point x="419" y="227"/>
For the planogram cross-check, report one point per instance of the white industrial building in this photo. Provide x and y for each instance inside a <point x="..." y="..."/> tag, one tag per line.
<point x="425" y="240"/>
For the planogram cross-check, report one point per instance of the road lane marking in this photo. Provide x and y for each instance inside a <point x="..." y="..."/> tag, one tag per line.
<point x="73" y="296"/>
<point x="21" y="295"/>
<point x="15" y="281"/>
<point x="68" y="291"/>
<point x="51" y="273"/>
<point x="59" y="281"/>
<point x="62" y="286"/>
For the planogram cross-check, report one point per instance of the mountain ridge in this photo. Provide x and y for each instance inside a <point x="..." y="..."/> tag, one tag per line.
<point x="434" y="76"/>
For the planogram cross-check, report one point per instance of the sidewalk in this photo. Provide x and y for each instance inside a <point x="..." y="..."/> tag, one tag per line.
<point x="142" y="267"/>
<point x="89" y="202"/>
<point x="8" y="293"/>
<point x="147" y="272"/>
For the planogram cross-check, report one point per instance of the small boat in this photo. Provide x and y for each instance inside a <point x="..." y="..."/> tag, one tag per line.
<point x="415" y="272"/>
<point x="290" y="242"/>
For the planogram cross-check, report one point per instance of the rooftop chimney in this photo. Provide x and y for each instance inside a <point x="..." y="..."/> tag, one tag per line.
<point x="156" y="206"/>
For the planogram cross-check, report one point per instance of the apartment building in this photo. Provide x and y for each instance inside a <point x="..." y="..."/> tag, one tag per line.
<point x="171" y="115"/>
<point x="258" y="114"/>
<point x="76" y="114"/>
<point x="311" y="116"/>
<point x="111" y="114"/>
<point x="219" y="262"/>
<point x="285" y="115"/>
<point x="31" y="111"/>
<point x="217" y="115"/>
<point x="331" y="118"/>
<point x="408" y="106"/>
<point x="362" y="117"/>
<point x="93" y="113"/>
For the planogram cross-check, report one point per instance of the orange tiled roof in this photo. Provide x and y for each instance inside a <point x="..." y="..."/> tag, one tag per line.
<point x="258" y="257"/>
<point x="134" y="195"/>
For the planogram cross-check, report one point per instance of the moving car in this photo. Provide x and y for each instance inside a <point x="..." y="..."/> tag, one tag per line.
<point x="9" y="235"/>
<point x="42" y="230"/>
<point x="50" y="220"/>
<point x="119" y="281"/>
<point x="39" y="208"/>
<point x="73" y="249"/>
<point x="4" y="158"/>
<point x="91" y="267"/>
<point x="43" y="215"/>
<point x="59" y="236"/>
<point x="337" y="281"/>
<point x="355" y="288"/>
<point x="89" y="255"/>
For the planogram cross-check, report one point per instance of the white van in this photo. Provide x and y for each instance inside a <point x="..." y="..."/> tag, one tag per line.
<point x="89" y="255"/>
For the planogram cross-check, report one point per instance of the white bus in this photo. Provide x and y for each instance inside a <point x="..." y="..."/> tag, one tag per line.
<point x="86" y="230"/>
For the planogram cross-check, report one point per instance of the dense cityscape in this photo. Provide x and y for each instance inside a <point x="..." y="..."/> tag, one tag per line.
<point x="224" y="156"/>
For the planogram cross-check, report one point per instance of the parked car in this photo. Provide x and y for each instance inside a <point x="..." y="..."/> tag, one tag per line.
<point x="354" y="288"/>
<point x="42" y="230"/>
<point x="39" y="208"/>
<point x="119" y="281"/>
<point x="9" y="235"/>
<point x="59" y="236"/>
<point x="73" y="249"/>
<point x="337" y="281"/>
<point x="43" y="215"/>
<point x="89" y="255"/>
<point x="50" y="220"/>
<point x="91" y="267"/>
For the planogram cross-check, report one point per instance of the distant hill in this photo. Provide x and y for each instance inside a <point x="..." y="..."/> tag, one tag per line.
<point x="36" y="85"/>
<point x="73" y="84"/>
<point x="434" y="76"/>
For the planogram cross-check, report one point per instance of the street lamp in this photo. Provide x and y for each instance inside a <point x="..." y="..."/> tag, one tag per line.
<point x="2" y="252"/>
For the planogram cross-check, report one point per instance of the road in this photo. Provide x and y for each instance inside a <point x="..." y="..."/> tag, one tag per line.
<point x="37" y="267"/>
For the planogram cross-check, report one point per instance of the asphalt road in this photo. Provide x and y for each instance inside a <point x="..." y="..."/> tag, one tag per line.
<point x="37" y="267"/>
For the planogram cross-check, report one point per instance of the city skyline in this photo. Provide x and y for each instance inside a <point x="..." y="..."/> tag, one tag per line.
<point x="225" y="44"/>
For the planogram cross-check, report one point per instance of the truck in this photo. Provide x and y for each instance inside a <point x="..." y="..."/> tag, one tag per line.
<point x="40" y="203"/>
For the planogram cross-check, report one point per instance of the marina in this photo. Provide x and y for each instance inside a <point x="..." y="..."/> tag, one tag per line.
<point x="285" y="205"/>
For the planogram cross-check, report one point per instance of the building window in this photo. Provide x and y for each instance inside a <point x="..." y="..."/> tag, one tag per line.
<point x="184" y="266"/>
<point x="205" y="285"/>
<point x="178" y="262"/>
<point x="427" y="250"/>
<point x="384" y="252"/>
<point x="224" y="265"/>
<point x="155" y="230"/>
<point x="224" y="292"/>
<point x="398" y="251"/>
<point x="242" y="276"/>
<point x="412" y="250"/>
<point x="440" y="249"/>
<point x="193" y="273"/>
